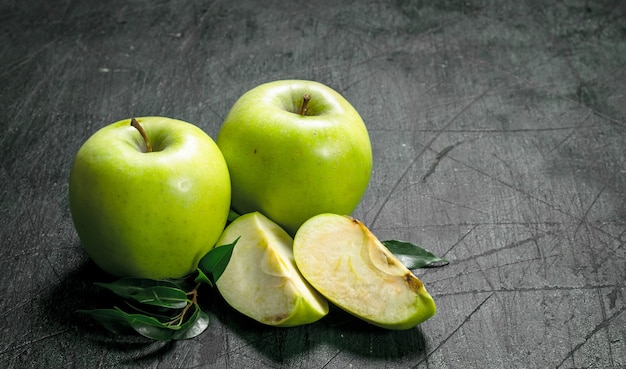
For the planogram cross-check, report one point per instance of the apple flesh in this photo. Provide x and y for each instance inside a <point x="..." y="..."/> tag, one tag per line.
<point x="261" y="279"/>
<point x="149" y="214"/>
<point x="347" y="264"/>
<point x="291" y="163"/>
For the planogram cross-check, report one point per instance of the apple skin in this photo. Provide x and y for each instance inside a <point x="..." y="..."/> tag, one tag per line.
<point x="291" y="167"/>
<point x="149" y="214"/>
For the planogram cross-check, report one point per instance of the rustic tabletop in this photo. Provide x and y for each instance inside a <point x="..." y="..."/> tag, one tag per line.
<point x="498" y="131"/>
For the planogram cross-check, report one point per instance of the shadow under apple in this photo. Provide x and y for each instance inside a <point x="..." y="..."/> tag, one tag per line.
<point x="338" y="331"/>
<point x="77" y="291"/>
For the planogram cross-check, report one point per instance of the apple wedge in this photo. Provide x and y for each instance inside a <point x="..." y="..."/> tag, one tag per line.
<point x="347" y="264"/>
<point x="261" y="279"/>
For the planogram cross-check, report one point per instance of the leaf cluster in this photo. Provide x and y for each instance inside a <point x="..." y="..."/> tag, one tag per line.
<point x="163" y="309"/>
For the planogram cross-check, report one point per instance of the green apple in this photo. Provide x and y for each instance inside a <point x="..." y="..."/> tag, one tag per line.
<point x="149" y="200"/>
<point x="295" y="149"/>
<point x="347" y="264"/>
<point x="261" y="279"/>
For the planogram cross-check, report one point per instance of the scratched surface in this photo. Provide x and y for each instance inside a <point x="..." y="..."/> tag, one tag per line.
<point x="499" y="136"/>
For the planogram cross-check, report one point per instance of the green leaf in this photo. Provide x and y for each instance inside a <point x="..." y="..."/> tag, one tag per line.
<point x="162" y="314"/>
<point x="117" y="321"/>
<point x="213" y="264"/>
<point x="197" y="323"/>
<point x="161" y="293"/>
<point x="413" y="256"/>
<point x="111" y="319"/>
<point x="202" y="278"/>
<point x="149" y="327"/>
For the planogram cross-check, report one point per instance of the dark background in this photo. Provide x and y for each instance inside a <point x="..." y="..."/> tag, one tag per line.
<point x="499" y="135"/>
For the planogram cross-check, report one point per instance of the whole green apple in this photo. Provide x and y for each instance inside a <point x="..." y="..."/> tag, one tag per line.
<point x="149" y="200"/>
<point x="295" y="149"/>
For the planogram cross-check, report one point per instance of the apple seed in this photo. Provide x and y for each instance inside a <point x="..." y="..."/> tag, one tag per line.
<point x="413" y="282"/>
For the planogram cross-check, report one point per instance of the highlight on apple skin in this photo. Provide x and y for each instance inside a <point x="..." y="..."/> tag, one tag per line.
<point x="295" y="149"/>
<point x="349" y="266"/>
<point x="149" y="204"/>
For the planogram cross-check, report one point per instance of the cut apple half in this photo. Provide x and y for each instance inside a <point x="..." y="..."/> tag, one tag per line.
<point x="261" y="279"/>
<point x="347" y="264"/>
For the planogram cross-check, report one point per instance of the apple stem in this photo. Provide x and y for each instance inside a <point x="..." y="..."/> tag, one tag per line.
<point x="305" y="103"/>
<point x="134" y="123"/>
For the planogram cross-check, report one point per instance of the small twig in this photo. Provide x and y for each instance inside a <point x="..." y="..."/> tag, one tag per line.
<point x="178" y="320"/>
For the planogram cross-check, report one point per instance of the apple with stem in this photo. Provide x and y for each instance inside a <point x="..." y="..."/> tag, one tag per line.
<point x="348" y="265"/>
<point x="295" y="149"/>
<point x="149" y="197"/>
<point x="261" y="279"/>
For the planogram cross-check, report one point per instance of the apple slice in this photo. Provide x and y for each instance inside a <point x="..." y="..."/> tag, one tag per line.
<point x="261" y="279"/>
<point x="347" y="264"/>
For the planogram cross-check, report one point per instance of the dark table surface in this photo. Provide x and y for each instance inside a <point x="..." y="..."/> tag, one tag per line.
<point x="498" y="132"/>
